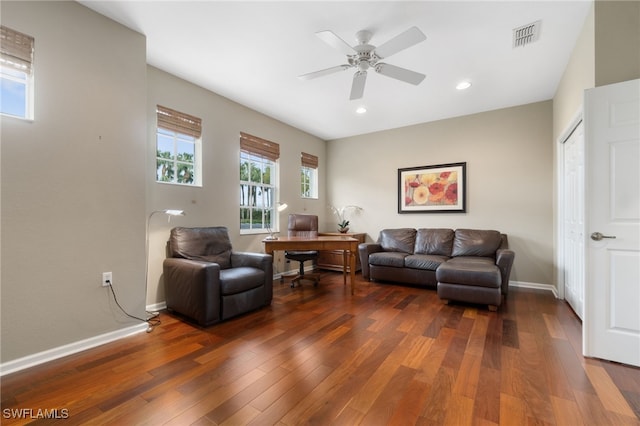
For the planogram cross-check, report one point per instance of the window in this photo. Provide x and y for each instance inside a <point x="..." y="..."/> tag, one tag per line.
<point x="309" y="176"/>
<point x="258" y="184"/>
<point x="16" y="73"/>
<point x="178" y="147"/>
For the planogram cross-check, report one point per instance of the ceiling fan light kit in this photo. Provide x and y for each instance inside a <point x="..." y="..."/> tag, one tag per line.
<point x="365" y="56"/>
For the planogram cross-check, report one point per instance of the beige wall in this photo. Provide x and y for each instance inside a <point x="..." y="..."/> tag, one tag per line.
<point x="217" y="201"/>
<point x="509" y="178"/>
<point x="617" y="41"/>
<point x="73" y="181"/>
<point x="578" y="76"/>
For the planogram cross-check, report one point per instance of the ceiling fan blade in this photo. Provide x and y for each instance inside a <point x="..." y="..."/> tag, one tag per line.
<point x="400" y="42"/>
<point x="336" y="42"/>
<point x="357" y="87"/>
<point x="398" y="73"/>
<point x="321" y="73"/>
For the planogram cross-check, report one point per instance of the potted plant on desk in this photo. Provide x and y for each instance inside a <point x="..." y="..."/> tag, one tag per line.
<point x="343" y="224"/>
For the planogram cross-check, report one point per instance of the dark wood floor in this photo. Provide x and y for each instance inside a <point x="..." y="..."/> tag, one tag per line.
<point x="388" y="355"/>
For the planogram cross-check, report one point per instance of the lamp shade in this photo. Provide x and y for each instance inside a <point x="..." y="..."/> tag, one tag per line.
<point x="172" y="212"/>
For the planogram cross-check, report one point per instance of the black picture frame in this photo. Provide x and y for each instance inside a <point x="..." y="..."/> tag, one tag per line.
<point x="440" y="188"/>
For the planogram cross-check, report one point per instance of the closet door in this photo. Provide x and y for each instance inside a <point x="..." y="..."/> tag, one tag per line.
<point x="573" y="215"/>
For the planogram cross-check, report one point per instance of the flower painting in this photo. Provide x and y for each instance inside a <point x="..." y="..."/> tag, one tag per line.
<point x="439" y="188"/>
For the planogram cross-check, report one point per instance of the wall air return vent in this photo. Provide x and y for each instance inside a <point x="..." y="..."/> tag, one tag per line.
<point x="526" y="34"/>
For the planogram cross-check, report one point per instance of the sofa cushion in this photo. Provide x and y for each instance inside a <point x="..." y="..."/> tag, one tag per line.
<point x="480" y="272"/>
<point x="387" y="258"/>
<point x="424" y="261"/>
<point x="400" y="239"/>
<point x="474" y="242"/>
<point x="239" y="280"/>
<point x="210" y="244"/>
<point x="434" y="241"/>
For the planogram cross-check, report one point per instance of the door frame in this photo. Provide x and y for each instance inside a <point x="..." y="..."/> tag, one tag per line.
<point x="560" y="213"/>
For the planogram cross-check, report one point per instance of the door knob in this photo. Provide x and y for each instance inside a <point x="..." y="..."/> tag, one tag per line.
<point x="597" y="236"/>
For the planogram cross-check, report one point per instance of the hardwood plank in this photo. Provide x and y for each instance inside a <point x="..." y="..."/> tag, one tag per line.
<point x="487" y="401"/>
<point x="513" y="410"/>
<point x="468" y="376"/>
<point x="435" y="407"/>
<point x="275" y="412"/>
<point x="554" y="327"/>
<point x="566" y="411"/>
<point x="607" y="391"/>
<point x="226" y="410"/>
<point x="419" y="350"/>
<point x="409" y="406"/>
<point x="459" y="411"/>
<point x="381" y="410"/>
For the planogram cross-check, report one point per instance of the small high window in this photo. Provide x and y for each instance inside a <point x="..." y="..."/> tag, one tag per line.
<point x="178" y="147"/>
<point x="309" y="176"/>
<point x="16" y="73"/>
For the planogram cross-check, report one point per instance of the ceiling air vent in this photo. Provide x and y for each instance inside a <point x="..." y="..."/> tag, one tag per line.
<point x="526" y="34"/>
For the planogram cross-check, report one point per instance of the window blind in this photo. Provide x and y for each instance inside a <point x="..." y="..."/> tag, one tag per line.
<point x="16" y="49"/>
<point x="259" y="146"/>
<point x="179" y="122"/>
<point x="309" y="160"/>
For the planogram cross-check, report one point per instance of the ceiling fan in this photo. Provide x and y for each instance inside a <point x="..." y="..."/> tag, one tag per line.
<point x="364" y="56"/>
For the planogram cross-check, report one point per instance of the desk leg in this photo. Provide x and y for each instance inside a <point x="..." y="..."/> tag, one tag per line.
<point x="352" y="267"/>
<point x="344" y="266"/>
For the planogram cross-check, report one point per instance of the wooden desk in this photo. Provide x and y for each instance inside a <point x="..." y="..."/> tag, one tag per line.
<point x="348" y="245"/>
<point x="333" y="260"/>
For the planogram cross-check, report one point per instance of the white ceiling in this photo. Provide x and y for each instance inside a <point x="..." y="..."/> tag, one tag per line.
<point x="252" y="53"/>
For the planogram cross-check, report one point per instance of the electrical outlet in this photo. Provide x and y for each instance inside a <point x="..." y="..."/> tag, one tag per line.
<point x="107" y="279"/>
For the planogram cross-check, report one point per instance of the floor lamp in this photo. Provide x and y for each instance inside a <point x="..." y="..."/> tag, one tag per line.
<point x="169" y="213"/>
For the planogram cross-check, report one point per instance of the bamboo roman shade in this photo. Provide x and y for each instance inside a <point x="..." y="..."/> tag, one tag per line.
<point x="309" y="160"/>
<point x="16" y="49"/>
<point x="259" y="146"/>
<point x="179" y="122"/>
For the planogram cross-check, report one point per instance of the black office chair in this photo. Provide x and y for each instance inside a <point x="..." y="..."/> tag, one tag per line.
<point x="303" y="225"/>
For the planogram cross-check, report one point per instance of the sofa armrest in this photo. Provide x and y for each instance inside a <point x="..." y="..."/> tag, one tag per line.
<point x="260" y="261"/>
<point x="193" y="288"/>
<point x="504" y="261"/>
<point x="364" y="250"/>
<point x="255" y="260"/>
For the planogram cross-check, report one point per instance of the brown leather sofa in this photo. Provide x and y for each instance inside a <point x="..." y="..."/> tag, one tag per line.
<point x="208" y="282"/>
<point x="467" y="265"/>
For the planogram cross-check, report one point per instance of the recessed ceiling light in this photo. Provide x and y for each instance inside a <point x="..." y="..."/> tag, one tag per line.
<point x="361" y="110"/>
<point x="463" y="85"/>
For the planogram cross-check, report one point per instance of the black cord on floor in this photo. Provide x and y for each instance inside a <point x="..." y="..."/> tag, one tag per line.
<point x="153" y="321"/>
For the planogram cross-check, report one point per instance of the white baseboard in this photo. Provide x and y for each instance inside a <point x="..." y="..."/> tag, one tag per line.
<point x="157" y="307"/>
<point x="69" y="349"/>
<point x="535" y="286"/>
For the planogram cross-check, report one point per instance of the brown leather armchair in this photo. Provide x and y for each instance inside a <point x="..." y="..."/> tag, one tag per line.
<point x="303" y="225"/>
<point x="208" y="282"/>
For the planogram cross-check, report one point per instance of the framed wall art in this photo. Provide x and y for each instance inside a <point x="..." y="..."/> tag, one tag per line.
<point x="432" y="189"/>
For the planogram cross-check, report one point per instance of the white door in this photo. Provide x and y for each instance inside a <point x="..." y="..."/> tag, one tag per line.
<point x="612" y="299"/>
<point x="573" y="216"/>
